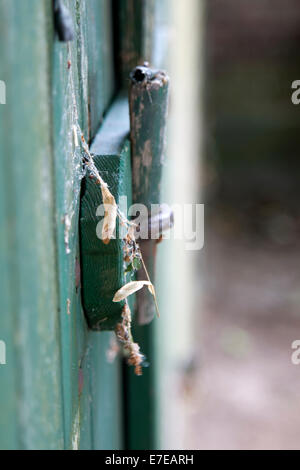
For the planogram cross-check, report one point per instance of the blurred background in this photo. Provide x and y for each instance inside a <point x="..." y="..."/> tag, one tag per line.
<point x="237" y="388"/>
<point x="220" y="374"/>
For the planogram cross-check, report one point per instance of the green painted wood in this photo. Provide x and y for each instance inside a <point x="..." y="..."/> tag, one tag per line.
<point x="82" y="89"/>
<point x="148" y="100"/>
<point x="135" y="19"/>
<point x="8" y="393"/>
<point x="107" y="386"/>
<point x="103" y="265"/>
<point x="8" y="377"/>
<point x="141" y="404"/>
<point x="101" y="74"/>
<point x="30" y="402"/>
<point x="60" y="392"/>
<point x="69" y="89"/>
<point x="50" y="388"/>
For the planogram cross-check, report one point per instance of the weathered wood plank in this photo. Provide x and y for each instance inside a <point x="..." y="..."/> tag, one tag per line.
<point x="142" y="394"/>
<point x="80" y="96"/>
<point x="33" y="412"/>
<point x="136" y="31"/>
<point x="103" y="265"/>
<point x="148" y="100"/>
<point x="101" y="74"/>
<point x="50" y="351"/>
<point x="107" y="386"/>
<point x="69" y="72"/>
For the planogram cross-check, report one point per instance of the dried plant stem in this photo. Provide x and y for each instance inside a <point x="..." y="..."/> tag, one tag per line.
<point x="131" y="349"/>
<point x="148" y="278"/>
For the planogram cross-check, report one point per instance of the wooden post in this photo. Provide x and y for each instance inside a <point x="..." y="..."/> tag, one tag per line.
<point x="148" y="101"/>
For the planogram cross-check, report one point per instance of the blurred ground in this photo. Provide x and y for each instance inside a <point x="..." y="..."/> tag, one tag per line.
<point x="245" y="393"/>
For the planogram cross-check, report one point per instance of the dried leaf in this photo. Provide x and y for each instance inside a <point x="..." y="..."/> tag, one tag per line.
<point x="152" y="290"/>
<point x="130" y="289"/>
<point x="110" y="214"/>
<point x="131" y="230"/>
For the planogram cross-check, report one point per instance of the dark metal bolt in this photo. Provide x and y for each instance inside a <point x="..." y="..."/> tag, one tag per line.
<point x="141" y="74"/>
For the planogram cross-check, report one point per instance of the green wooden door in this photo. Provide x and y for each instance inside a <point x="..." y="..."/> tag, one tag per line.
<point x="57" y="388"/>
<point x="82" y="87"/>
